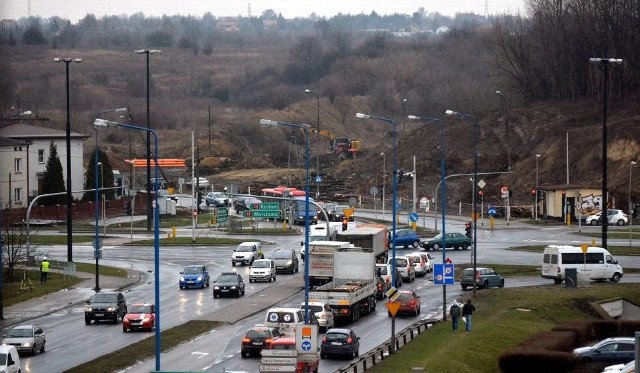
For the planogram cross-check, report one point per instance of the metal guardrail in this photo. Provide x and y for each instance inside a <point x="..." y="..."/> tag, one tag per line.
<point x="378" y="354"/>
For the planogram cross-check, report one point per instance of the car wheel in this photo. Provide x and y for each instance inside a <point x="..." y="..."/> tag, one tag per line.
<point x="322" y="355"/>
<point x="207" y="282"/>
<point x="435" y="246"/>
<point x="233" y="264"/>
<point x="124" y="330"/>
<point x="251" y="280"/>
<point x="297" y="265"/>
<point x="42" y="347"/>
<point x="416" y="244"/>
<point x="358" y="352"/>
<point x="464" y="287"/>
<point x="594" y="222"/>
<point x="87" y="321"/>
<point x="208" y="204"/>
<point x="465" y="247"/>
<point x="417" y="311"/>
<point x="33" y="350"/>
<point x="486" y="285"/>
<point x="620" y="222"/>
<point x="215" y="295"/>
<point x="501" y="283"/>
<point x="616" y="277"/>
<point x="115" y="319"/>
<point x="274" y="278"/>
<point x="244" y="354"/>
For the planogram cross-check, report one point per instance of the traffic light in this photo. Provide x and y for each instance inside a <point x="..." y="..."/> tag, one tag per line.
<point x="400" y="176"/>
<point x="467" y="229"/>
<point x="127" y="208"/>
<point x="533" y="194"/>
<point x="199" y="201"/>
<point x="480" y="193"/>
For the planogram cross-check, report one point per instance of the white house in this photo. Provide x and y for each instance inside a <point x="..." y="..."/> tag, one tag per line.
<point x="35" y="162"/>
<point x="13" y="173"/>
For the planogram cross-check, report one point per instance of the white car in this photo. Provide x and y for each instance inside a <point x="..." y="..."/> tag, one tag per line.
<point x="202" y="182"/>
<point x="247" y="253"/>
<point x="418" y="263"/>
<point x="323" y="314"/>
<point x="26" y="338"/>
<point x="407" y="271"/>
<point x="629" y="367"/>
<point x="614" y="216"/>
<point x="262" y="270"/>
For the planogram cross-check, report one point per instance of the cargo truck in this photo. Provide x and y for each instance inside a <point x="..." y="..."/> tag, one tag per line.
<point x="321" y="260"/>
<point x="351" y="293"/>
<point x="368" y="237"/>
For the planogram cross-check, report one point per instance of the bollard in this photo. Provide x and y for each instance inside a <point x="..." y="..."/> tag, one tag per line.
<point x="173" y="231"/>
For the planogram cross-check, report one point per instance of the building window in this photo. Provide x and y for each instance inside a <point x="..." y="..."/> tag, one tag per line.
<point x="17" y="195"/>
<point x="17" y="166"/>
<point x="40" y="155"/>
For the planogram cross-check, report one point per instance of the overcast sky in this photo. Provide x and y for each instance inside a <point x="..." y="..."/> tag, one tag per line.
<point x="77" y="9"/>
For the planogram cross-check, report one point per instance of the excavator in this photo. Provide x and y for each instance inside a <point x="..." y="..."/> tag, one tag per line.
<point x="342" y="146"/>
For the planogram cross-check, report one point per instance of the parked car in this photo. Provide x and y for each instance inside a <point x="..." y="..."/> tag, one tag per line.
<point x="262" y="270"/>
<point x="217" y="199"/>
<point x="195" y="275"/>
<point x="451" y="240"/>
<point x="26" y="338"/>
<point x="246" y="253"/>
<point x="322" y="312"/>
<point x="140" y="316"/>
<point x="483" y="278"/>
<point x="105" y="306"/>
<point x="201" y="182"/>
<point x="341" y="342"/>
<point x="289" y="343"/>
<point x="242" y="203"/>
<point x="428" y="259"/>
<point x="286" y="260"/>
<point x="406" y="269"/>
<point x="9" y="359"/>
<point x="614" y="216"/>
<point x="405" y="238"/>
<point x="409" y="302"/>
<point x="257" y="338"/>
<point x="419" y="265"/>
<point x="611" y="350"/>
<point x="228" y="283"/>
<point x="629" y="367"/>
<point x="385" y="271"/>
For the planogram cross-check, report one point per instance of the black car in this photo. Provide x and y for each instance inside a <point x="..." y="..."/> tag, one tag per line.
<point x="286" y="260"/>
<point x="105" y="306"/>
<point x="258" y="338"/>
<point x="242" y="203"/>
<point x="340" y="342"/>
<point x="228" y="283"/>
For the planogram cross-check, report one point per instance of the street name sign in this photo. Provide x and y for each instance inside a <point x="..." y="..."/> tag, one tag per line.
<point x="260" y="214"/>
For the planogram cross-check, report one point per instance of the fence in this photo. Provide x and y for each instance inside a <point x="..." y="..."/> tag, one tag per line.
<point x="378" y="354"/>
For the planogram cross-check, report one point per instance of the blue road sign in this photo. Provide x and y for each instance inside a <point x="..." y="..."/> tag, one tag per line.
<point x="318" y="179"/>
<point x="491" y="211"/>
<point x="413" y="217"/>
<point x="443" y="274"/>
<point x="306" y="345"/>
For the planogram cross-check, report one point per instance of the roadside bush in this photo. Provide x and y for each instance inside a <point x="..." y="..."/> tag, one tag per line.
<point x="524" y="359"/>
<point x="562" y="340"/>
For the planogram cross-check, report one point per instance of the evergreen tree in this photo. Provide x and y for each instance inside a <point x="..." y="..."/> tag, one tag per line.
<point x="104" y="170"/>
<point x="53" y="180"/>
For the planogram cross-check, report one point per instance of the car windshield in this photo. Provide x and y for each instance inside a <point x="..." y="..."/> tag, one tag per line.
<point x="228" y="278"/>
<point x="383" y="269"/>
<point x="331" y="337"/>
<point x="20" y="332"/>
<point x="281" y="255"/>
<point x="192" y="270"/>
<point x="105" y="298"/>
<point x="467" y="272"/>
<point x="437" y="237"/>
<point x="315" y="308"/>
<point x="140" y="308"/>
<point x="414" y="259"/>
<point x="258" y="333"/>
<point x="400" y="262"/>
<point x="261" y="264"/>
<point x="245" y="249"/>
<point x="3" y="359"/>
<point x="403" y="297"/>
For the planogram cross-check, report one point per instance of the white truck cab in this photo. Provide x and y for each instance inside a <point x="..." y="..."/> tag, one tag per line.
<point x="9" y="359"/>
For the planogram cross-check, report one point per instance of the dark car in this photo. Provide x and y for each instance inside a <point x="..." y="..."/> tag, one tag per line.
<point x="483" y="277"/>
<point x="105" y="306"/>
<point x="405" y="238"/>
<point x="194" y="275"/>
<point x="453" y="240"/>
<point x="242" y="203"/>
<point x="340" y="342"/>
<point x="286" y="260"/>
<point x="228" y="283"/>
<point x="258" y="338"/>
<point x="610" y="350"/>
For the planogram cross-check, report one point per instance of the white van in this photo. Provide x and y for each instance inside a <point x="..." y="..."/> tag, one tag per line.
<point x="597" y="262"/>
<point x="285" y="319"/>
<point x="9" y="359"/>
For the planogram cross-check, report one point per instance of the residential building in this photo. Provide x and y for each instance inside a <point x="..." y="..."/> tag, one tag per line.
<point x="13" y="173"/>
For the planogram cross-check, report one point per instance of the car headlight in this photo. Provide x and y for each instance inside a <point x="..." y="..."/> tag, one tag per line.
<point x="233" y="287"/>
<point x="88" y="309"/>
<point x="290" y="262"/>
<point x="216" y="288"/>
<point x="146" y="319"/>
<point x="26" y="344"/>
<point x="199" y="278"/>
<point x="111" y="309"/>
<point x="182" y="278"/>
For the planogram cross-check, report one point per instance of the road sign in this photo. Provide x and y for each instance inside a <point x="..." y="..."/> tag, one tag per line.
<point x="373" y="191"/>
<point x="413" y="217"/>
<point x="279" y="360"/>
<point x="443" y="274"/>
<point x="318" y="179"/>
<point x="392" y="293"/>
<point x="584" y="248"/>
<point x="308" y="357"/>
<point x="306" y="339"/>
<point x="97" y="254"/>
<point x="260" y="214"/>
<point x="481" y="184"/>
<point x="504" y="190"/>
<point x="96" y="243"/>
<point x="269" y="206"/>
<point x="393" y="308"/>
<point x="277" y="368"/>
<point x="353" y="201"/>
<point x="491" y="211"/>
<point x="279" y="353"/>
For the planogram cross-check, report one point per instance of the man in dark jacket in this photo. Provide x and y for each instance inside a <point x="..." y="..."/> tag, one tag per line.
<point x="454" y="312"/>
<point x="467" y="312"/>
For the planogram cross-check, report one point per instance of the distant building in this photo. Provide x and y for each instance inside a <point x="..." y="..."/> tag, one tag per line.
<point x="13" y="173"/>
<point x="442" y="30"/>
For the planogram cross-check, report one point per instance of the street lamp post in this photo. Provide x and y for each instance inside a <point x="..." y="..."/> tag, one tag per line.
<point x="443" y="198"/>
<point x="394" y="197"/>
<point x="67" y="61"/>
<point x="102" y="196"/>
<point x="604" y="64"/>
<point x="317" y="143"/>
<point x="384" y="181"/>
<point x="535" y="213"/>
<point x="473" y="189"/>
<point x="149" y="210"/>
<point x="97" y="243"/>
<point x="305" y="128"/>
<point x="631" y="164"/>
<point x="156" y="233"/>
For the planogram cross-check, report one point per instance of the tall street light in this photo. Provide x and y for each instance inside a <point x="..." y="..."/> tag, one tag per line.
<point x="603" y="63"/>
<point x="535" y="214"/>
<point x="443" y="199"/>
<point x="156" y="219"/>
<point x="394" y="188"/>
<point x="149" y="210"/>
<point x="305" y="128"/>
<point x="474" y="120"/>
<point x="631" y="164"/>
<point x="317" y="143"/>
<point x="67" y="61"/>
<point x="384" y="181"/>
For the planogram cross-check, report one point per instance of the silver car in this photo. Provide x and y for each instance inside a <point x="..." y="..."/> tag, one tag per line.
<point x="26" y="338"/>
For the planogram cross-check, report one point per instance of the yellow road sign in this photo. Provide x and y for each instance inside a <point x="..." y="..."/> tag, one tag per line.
<point x="584" y="248"/>
<point x="393" y="308"/>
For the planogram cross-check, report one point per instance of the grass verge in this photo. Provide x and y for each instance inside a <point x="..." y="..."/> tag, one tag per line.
<point x="130" y="355"/>
<point x="58" y="239"/>
<point x="504" y="318"/>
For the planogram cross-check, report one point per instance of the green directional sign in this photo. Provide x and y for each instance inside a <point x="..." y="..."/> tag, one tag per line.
<point x="260" y="214"/>
<point x="223" y="212"/>
<point x="270" y="206"/>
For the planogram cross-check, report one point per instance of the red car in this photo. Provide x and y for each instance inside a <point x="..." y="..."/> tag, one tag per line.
<point x="409" y="302"/>
<point x="139" y="316"/>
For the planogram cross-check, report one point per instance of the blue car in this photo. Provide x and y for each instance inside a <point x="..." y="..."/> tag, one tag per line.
<point x="405" y="238"/>
<point x="194" y="276"/>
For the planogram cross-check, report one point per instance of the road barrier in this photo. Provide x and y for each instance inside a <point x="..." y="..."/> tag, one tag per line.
<point x="378" y="354"/>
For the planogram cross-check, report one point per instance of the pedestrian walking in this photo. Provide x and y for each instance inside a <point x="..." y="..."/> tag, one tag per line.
<point x="454" y="312"/>
<point x="44" y="270"/>
<point x="467" y="312"/>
